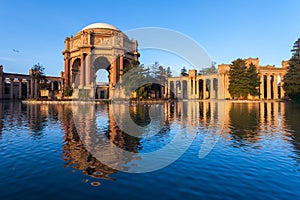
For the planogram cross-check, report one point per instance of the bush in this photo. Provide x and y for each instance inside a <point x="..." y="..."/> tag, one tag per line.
<point x="68" y="92"/>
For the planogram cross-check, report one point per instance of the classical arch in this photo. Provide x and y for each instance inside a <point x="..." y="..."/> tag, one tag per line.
<point x="101" y="89"/>
<point x="97" y="46"/>
<point x="75" y="70"/>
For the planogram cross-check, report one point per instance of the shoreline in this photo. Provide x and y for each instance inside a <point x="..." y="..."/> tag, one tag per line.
<point x="69" y="101"/>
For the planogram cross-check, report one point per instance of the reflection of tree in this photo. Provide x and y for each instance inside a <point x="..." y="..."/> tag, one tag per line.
<point x="292" y="116"/>
<point x="244" y="123"/>
<point x="140" y="114"/>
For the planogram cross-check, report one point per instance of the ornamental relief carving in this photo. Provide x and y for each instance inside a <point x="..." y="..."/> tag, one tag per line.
<point x="75" y="43"/>
<point x="106" y="41"/>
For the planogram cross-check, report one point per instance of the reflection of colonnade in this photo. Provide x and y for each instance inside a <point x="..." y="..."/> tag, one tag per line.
<point x="22" y="86"/>
<point x="215" y="86"/>
<point x="204" y="112"/>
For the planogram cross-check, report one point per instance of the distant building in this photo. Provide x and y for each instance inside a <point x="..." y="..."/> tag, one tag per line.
<point x="23" y="86"/>
<point x="215" y="86"/>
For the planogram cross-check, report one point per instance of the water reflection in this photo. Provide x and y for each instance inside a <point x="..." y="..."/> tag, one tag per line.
<point x="248" y="125"/>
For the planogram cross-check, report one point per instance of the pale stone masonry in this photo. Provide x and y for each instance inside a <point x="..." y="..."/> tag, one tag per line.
<point x="215" y="86"/>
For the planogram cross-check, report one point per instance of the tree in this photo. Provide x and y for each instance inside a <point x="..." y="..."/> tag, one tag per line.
<point x="211" y="70"/>
<point x="296" y="50"/>
<point x="169" y="72"/>
<point x="184" y="72"/>
<point x="238" y="79"/>
<point x="253" y="78"/>
<point x="291" y="79"/>
<point x="37" y="72"/>
<point x="291" y="83"/>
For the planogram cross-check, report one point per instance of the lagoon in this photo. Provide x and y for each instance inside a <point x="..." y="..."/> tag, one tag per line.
<point x="67" y="151"/>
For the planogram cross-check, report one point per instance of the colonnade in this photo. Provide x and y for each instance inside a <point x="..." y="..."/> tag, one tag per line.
<point x="270" y="86"/>
<point x="195" y="87"/>
<point x="22" y="87"/>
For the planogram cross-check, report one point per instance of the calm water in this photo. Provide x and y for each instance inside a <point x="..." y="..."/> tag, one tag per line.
<point x="45" y="151"/>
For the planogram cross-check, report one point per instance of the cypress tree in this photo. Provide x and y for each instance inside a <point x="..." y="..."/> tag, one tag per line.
<point x="253" y="78"/>
<point x="291" y="80"/>
<point x="238" y="79"/>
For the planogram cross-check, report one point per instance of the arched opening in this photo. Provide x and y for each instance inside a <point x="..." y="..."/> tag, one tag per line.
<point x="75" y="72"/>
<point x="101" y="77"/>
<point x="101" y="63"/>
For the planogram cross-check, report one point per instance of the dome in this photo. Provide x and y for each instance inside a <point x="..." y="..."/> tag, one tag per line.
<point x="101" y="25"/>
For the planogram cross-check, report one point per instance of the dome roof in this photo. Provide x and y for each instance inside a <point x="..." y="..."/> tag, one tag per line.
<point x="101" y="25"/>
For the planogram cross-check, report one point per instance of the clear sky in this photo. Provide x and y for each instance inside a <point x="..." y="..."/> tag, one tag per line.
<point x="227" y="29"/>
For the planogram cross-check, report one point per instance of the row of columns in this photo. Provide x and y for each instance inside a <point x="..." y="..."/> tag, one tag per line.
<point x="269" y="88"/>
<point x="32" y="90"/>
<point x="193" y="88"/>
<point x="222" y="89"/>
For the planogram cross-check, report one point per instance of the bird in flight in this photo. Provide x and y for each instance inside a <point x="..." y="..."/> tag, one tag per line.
<point x="17" y="51"/>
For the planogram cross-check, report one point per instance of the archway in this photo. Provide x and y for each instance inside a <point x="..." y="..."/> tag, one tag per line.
<point x="101" y="77"/>
<point x="75" y="72"/>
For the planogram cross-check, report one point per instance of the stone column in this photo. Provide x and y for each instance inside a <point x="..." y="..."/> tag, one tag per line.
<point x="11" y="94"/>
<point x="226" y="86"/>
<point x="31" y="88"/>
<point x="1" y="87"/>
<point x="195" y="88"/>
<point x="52" y="85"/>
<point x="36" y="89"/>
<point x="275" y="86"/>
<point x="204" y="89"/>
<point x="114" y="72"/>
<point x="20" y="88"/>
<point x="66" y="74"/>
<point x="82" y="71"/>
<point x="167" y="92"/>
<point x="211" y="89"/>
<point x="261" y="87"/>
<point x="221" y="92"/>
<point x="181" y="89"/>
<point x="28" y="89"/>
<point x="121" y="68"/>
<point x="282" y="92"/>
<point x="88" y="70"/>
<point x="189" y="90"/>
<point x="268" y="87"/>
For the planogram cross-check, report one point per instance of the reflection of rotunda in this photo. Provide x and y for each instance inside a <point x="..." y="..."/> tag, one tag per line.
<point x="97" y="46"/>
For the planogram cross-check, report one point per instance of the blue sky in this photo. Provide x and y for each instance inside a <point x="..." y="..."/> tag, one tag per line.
<point x="226" y="29"/>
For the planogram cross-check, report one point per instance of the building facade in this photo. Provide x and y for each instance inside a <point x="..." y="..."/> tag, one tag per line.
<point x="97" y="46"/>
<point x="215" y="86"/>
<point x="24" y="86"/>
